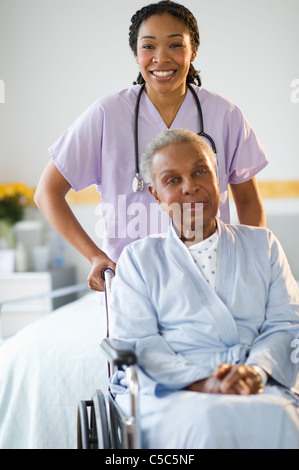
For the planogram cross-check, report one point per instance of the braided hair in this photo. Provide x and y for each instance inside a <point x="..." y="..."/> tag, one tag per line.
<point x="176" y="10"/>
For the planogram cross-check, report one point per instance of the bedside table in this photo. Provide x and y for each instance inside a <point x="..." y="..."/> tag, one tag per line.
<point x="14" y="286"/>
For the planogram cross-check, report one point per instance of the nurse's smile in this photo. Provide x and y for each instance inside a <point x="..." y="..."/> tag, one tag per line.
<point x="163" y="74"/>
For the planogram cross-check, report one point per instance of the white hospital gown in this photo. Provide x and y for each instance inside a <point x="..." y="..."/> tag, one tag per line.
<point x="204" y="254"/>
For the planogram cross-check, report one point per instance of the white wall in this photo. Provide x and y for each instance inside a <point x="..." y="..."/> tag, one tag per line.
<point x="57" y="56"/>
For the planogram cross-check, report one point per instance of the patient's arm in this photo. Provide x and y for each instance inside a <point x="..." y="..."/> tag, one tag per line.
<point x="230" y="379"/>
<point x="50" y="198"/>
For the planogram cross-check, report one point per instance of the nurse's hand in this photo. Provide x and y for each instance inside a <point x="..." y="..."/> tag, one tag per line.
<point x="100" y="262"/>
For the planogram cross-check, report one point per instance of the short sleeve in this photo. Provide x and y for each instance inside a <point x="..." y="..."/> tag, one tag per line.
<point x="248" y="155"/>
<point x="77" y="153"/>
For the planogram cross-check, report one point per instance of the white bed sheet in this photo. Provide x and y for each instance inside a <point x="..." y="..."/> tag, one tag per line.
<point x="45" y="370"/>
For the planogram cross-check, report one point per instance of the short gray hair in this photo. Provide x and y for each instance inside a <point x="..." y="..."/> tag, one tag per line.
<point x="168" y="137"/>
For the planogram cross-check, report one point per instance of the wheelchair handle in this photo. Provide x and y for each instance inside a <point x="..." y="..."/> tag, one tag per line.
<point x="107" y="271"/>
<point x="107" y="275"/>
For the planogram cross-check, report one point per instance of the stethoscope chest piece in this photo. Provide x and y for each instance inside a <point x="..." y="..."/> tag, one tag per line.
<point x="137" y="184"/>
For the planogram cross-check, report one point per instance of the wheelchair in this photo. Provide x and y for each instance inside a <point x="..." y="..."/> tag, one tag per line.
<point x="101" y="424"/>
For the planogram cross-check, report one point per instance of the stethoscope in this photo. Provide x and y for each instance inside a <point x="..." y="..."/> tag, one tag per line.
<point x="138" y="183"/>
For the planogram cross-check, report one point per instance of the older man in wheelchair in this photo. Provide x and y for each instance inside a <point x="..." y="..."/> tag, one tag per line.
<point x="212" y="313"/>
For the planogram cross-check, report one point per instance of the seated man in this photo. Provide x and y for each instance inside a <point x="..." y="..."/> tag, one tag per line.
<point x="212" y="311"/>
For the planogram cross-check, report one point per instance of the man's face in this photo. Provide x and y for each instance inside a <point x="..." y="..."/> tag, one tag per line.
<point x="186" y="186"/>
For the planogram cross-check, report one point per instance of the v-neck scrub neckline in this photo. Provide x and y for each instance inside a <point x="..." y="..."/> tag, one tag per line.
<point x="156" y="116"/>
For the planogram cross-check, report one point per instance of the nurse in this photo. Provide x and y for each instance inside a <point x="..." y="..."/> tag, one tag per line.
<point x="99" y="147"/>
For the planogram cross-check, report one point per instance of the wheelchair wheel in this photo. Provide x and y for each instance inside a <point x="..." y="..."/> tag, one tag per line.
<point x="83" y="430"/>
<point x="92" y="423"/>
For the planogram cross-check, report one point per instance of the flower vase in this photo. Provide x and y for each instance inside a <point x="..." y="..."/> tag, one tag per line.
<point x="5" y="234"/>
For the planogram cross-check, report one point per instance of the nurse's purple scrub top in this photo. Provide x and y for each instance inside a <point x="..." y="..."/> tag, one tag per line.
<point x="98" y="149"/>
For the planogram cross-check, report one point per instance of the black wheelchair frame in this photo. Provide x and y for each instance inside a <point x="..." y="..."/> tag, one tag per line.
<point x="101" y="424"/>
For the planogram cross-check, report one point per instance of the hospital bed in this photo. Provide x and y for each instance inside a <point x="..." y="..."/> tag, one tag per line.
<point x="46" y="369"/>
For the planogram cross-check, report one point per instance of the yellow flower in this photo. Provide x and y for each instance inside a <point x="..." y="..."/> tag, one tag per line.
<point x="16" y="189"/>
<point x="9" y="190"/>
<point x="13" y="199"/>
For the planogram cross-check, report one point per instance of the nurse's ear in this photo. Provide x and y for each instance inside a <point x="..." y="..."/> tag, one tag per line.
<point x="193" y="56"/>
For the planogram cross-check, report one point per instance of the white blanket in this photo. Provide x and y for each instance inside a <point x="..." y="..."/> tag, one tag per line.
<point x="45" y="370"/>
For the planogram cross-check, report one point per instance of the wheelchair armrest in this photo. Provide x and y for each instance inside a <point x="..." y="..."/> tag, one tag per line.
<point x="118" y="353"/>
